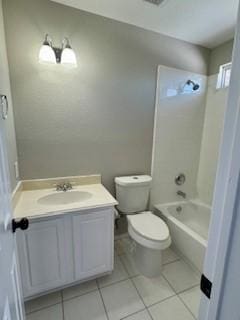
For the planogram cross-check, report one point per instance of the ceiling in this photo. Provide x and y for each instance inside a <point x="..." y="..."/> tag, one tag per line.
<point x="204" y="22"/>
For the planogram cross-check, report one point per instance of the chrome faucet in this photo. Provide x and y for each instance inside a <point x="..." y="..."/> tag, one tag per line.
<point x="65" y="186"/>
<point x="181" y="194"/>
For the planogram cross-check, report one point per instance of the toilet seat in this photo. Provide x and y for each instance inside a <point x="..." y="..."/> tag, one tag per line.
<point x="149" y="230"/>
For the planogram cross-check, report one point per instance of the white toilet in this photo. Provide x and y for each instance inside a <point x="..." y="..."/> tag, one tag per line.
<point x="150" y="233"/>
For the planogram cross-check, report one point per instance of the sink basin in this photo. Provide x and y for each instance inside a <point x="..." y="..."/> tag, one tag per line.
<point x="61" y="198"/>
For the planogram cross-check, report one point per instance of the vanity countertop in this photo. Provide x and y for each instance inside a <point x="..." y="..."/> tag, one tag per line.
<point x="30" y="204"/>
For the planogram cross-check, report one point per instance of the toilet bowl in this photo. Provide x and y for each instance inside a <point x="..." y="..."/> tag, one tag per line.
<point x="149" y="232"/>
<point x="151" y="235"/>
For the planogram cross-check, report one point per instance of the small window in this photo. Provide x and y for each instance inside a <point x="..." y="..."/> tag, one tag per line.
<point x="224" y="76"/>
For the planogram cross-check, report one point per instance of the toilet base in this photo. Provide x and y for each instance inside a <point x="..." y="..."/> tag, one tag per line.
<point x="148" y="261"/>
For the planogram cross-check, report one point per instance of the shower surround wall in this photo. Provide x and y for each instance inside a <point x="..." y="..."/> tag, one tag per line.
<point x="191" y="125"/>
<point x="216" y="103"/>
<point x="179" y="119"/>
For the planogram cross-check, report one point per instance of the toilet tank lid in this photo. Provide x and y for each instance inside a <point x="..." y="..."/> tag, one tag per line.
<point x="133" y="180"/>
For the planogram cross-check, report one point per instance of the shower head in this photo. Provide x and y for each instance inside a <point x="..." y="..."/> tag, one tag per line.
<point x="195" y="86"/>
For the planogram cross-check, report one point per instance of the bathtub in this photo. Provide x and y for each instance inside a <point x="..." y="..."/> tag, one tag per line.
<point x="188" y="222"/>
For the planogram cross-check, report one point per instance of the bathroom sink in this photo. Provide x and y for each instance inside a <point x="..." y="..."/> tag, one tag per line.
<point x="61" y="198"/>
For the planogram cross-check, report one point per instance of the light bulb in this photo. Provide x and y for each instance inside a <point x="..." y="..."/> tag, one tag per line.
<point x="46" y="53"/>
<point x="68" y="57"/>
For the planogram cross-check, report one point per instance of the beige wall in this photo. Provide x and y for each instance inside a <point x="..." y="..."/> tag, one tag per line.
<point x="5" y="89"/>
<point x="220" y="55"/>
<point x="97" y="118"/>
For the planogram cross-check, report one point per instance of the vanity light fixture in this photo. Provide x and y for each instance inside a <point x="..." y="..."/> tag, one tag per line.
<point x="64" y="55"/>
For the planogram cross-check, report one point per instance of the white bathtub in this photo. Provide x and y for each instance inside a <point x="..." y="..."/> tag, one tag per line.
<point x="188" y="228"/>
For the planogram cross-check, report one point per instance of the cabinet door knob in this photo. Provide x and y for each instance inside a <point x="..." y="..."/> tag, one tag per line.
<point x="23" y="224"/>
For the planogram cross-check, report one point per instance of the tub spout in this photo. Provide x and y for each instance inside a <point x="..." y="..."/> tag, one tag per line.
<point x="181" y="194"/>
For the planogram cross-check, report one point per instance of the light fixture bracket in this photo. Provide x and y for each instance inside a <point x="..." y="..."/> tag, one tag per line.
<point x="58" y="53"/>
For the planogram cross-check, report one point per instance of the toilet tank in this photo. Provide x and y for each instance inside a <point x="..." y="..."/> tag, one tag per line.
<point x="132" y="193"/>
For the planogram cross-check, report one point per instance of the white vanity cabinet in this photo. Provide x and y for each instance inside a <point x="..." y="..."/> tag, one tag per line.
<point x="93" y="244"/>
<point x="57" y="251"/>
<point x="41" y="251"/>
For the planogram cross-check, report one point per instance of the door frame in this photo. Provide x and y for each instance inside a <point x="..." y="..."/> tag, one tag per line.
<point x="225" y="194"/>
<point x="11" y="304"/>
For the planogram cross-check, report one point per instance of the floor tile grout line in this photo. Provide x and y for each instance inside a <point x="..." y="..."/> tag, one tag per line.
<point x="190" y="288"/>
<point x="96" y="290"/>
<point x="170" y="262"/>
<point x="153" y="304"/>
<point x="132" y="314"/>
<point x="186" y="306"/>
<point x="168" y="298"/>
<point x="190" y="265"/>
<point x="178" y="295"/>
<point x="150" y="315"/>
<point x="80" y="295"/>
<point x="43" y="308"/>
<point x="100" y="292"/>
<point x="104" y="306"/>
<point x="175" y="289"/>
<point x="137" y="275"/>
<point x="145" y="308"/>
<point x="63" y="300"/>
<point x="111" y="284"/>
<point x="105" y="286"/>
<point x="173" y="295"/>
<point x="141" y="298"/>
<point x="169" y="283"/>
<point x="63" y="312"/>
<point x="98" y="286"/>
<point x="138" y="293"/>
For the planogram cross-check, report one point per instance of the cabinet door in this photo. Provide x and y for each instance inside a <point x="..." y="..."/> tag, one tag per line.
<point x="93" y="243"/>
<point x="42" y="256"/>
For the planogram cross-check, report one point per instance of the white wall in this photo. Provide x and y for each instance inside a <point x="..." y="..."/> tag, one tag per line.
<point x="213" y="126"/>
<point x="5" y="89"/>
<point x="178" y="132"/>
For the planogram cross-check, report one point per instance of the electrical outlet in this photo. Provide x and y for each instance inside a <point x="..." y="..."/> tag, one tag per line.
<point x="16" y="168"/>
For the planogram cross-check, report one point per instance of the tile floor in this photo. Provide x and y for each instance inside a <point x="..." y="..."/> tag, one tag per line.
<point x="125" y="294"/>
